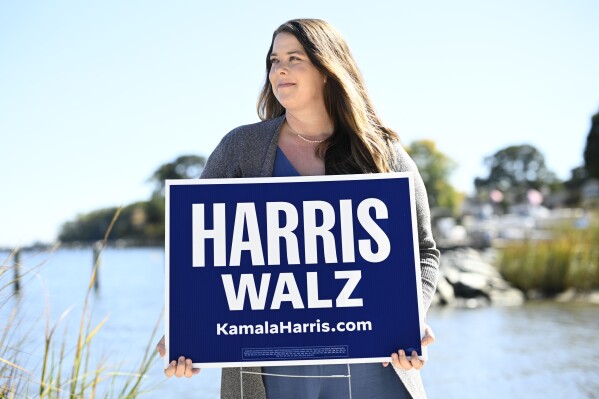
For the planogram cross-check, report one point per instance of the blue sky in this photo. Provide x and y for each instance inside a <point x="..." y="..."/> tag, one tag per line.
<point x="94" y="96"/>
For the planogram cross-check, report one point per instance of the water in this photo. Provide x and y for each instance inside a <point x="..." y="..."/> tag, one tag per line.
<point x="132" y="296"/>
<point x="540" y="350"/>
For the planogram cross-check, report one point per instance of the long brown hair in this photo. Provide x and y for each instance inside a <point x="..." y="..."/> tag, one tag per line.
<point x="360" y="142"/>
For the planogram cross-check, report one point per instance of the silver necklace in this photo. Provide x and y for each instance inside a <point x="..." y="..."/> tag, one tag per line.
<point x="303" y="138"/>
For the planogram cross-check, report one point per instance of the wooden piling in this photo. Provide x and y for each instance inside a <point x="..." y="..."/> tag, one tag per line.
<point x="16" y="267"/>
<point x="97" y="249"/>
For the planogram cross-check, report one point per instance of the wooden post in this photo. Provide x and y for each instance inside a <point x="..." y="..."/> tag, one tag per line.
<point x="97" y="250"/>
<point x="16" y="266"/>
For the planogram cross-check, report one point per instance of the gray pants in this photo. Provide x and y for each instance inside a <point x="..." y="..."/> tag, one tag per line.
<point x="369" y="380"/>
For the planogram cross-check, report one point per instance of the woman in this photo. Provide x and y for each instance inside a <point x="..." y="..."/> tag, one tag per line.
<point x="317" y="119"/>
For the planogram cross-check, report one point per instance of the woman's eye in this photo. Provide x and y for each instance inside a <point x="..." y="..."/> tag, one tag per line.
<point x="273" y="60"/>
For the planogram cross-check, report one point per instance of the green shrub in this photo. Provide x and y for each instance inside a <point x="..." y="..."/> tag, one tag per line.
<point x="570" y="259"/>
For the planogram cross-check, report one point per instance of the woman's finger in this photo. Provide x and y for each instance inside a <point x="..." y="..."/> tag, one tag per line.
<point x="400" y="360"/>
<point x="180" y="367"/>
<point x="403" y="360"/>
<point x="188" y="368"/>
<point x="429" y="336"/>
<point x="415" y="361"/>
<point x="160" y="347"/>
<point x="170" y="370"/>
<point x="385" y="364"/>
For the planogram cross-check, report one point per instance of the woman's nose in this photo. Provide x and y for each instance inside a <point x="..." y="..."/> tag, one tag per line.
<point x="280" y="68"/>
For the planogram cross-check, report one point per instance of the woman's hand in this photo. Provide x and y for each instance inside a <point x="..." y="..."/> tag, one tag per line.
<point x="401" y="361"/>
<point x="180" y="368"/>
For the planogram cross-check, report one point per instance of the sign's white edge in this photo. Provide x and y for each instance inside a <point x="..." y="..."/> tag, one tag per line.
<point x="295" y="362"/>
<point x="294" y="179"/>
<point x="416" y="245"/>
<point x="286" y="179"/>
<point x="167" y="192"/>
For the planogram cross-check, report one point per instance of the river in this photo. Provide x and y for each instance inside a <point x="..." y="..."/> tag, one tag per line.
<point x="539" y="350"/>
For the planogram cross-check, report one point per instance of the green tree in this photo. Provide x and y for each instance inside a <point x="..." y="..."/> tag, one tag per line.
<point x="573" y="186"/>
<point x="141" y="222"/>
<point x="87" y="227"/>
<point x="591" y="151"/>
<point x="435" y="169"/>
<point x="514" y="170"/>
<point x="184" y="167"/>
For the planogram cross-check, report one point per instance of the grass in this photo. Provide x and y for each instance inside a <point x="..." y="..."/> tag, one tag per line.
<point x="65" y="369"/>
<point x="570" y="259"/>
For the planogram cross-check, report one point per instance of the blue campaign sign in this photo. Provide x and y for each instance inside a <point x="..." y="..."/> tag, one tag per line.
<point x="292" y="270"/>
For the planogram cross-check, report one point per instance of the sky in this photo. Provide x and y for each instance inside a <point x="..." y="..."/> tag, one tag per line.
<point x="95" y="96"/>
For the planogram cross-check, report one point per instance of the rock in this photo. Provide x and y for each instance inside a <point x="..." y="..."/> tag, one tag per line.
<point x="499" y="283"/>
<point x="474" y="281"/>
<point x="468" y="279"/>
<point x="436" y="301"/>
<point x="593" y="297"/>
<point x="462" y="290"/>
<point x="507" y="297"/>
<point x="451" y="274"/>
<point x="567" y="296"/>
<point x="472" y="303"/>
<point x="571" y="295"/>
<point x="445" y="292"/>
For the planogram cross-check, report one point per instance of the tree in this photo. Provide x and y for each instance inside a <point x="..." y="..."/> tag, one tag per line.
<point x="141" y="222"/>
<point x="435" y="169"/>
<point x="591" y="151"/>
<point x="514" y="170"/>
<point x="87" y="227"/>
<point x="578" y="177"/>
<point x="184" y="167"/>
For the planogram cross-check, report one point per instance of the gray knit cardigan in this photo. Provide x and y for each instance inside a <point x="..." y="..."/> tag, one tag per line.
<point x="249" y="151"/>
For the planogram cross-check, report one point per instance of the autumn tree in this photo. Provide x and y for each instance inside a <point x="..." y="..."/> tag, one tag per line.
<point x="435" y="169"/>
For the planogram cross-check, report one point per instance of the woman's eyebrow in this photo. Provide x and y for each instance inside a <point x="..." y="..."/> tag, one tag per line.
<point x="290" y="52"/>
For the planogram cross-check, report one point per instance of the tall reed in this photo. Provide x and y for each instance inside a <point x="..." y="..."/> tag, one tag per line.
<point x="570" y="259"/>
<point x="50" y="379"/>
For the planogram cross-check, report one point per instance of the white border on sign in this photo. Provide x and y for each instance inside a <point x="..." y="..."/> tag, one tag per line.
<point x="292" y="179"/>
<point x="167" y="194"/>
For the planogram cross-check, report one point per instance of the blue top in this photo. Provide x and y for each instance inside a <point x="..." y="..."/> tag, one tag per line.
<point x="282" y="166"/>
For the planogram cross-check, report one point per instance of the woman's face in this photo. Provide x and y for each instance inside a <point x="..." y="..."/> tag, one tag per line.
<point x="296" y="82"/>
